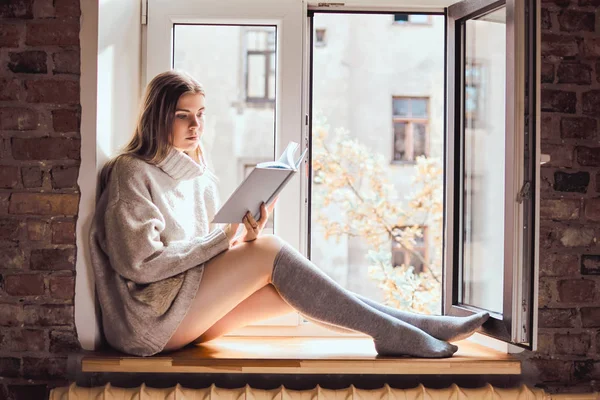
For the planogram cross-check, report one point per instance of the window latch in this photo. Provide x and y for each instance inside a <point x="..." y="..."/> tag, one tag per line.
<point x="331" y="4"/>
<point x="525" y="192"/>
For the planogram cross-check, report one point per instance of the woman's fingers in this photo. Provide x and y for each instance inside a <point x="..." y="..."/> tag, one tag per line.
<point x="251" y="229"/>
<point x="264" y="215"/>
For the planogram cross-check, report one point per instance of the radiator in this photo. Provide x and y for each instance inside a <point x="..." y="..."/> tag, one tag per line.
<point x="420" y="392"/>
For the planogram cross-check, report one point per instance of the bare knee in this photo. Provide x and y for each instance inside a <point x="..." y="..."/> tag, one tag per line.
<point x="262" y="252"/>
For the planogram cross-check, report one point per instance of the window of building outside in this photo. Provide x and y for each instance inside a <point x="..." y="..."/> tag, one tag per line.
<point x="260" y="66"/>
<point x="410" y="118"/>
<point x="417" y="19"/>
<point x="360" y="198"/>
<point x="320" y="37"/>
<point x="413" y="254"/>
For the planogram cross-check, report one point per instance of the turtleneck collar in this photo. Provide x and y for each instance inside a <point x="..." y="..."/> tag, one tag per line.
<point x="180" y="166"/>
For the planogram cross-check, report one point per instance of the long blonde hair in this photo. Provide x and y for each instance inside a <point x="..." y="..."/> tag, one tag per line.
<point x="153" y="137"/>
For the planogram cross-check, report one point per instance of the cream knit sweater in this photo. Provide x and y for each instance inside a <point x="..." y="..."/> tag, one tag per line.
<point x="149" y="239"/>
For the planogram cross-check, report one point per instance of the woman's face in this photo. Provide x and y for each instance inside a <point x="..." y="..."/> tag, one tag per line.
<point x="188" y="123"/>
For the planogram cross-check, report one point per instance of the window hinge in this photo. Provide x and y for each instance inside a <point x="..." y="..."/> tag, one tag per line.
<point x="144" y="12"/>
<point x="525" y="192"/>
<point x="331" y="4"/>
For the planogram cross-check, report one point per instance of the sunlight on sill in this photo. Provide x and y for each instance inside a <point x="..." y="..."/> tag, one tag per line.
<point x="302" y="355"/>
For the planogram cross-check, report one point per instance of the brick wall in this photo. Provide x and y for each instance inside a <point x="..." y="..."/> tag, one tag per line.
<point x="569" y="315"/>
<point x="39" y="164"/>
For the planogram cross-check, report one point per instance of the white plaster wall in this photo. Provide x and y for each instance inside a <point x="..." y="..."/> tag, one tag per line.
<point x="110" y="90"/>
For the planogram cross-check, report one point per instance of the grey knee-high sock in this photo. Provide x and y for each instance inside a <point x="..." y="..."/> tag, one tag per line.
<point x="441" y="327"/>
<point x="306" y="288"/>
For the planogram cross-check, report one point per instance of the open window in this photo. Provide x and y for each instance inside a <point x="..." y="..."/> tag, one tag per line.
<point x="269" y="67"/>
<point x="490" y="165"/>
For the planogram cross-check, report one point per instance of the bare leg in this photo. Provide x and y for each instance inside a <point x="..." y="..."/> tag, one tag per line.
<point x="263" y="304"/>
<point x="228" y="280"/>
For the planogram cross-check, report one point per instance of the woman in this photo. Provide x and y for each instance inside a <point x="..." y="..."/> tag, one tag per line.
<point x="165" y="279"/>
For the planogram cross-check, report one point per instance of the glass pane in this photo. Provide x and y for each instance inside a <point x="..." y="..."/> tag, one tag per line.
<point x="419" y="108"/>
<point x="401" y="107"/>
<point x="236" y="136"/>
<point x="356" y="136"/>
<point x="419" y="139"/>
<point x="483" y="214"/>
<point x="256" y="75"/>
<point x="419" y="18"/>
<point x="401" y="17"/>
<point x="400" y="140"/>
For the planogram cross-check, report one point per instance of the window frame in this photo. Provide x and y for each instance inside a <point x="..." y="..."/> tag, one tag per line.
<point x="267" y="62"/>
<point x="516" y="323"/>
<point x="409" y="136"/>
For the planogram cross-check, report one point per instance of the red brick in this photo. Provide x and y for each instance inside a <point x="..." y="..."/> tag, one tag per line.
<point x="28" y="62"/>
<point x="557" y="318"/>
<point x="574" y="72"/>
<point x="559" y="45"/>
<point x="548" y="235"/>
<point x="27" y="392"/>
<point x="592" y="209"/>
<point x="52" y="32"/>
<point x="52" y="91"/>
<point x="572" y="343"/>
<point x="591" y="47"/>
<point x="560" y="155"/>
<point x="47" y="148"/>
<point x="43" y="9"/>
<point x="16" y="9"/>
<point x="31" y="176"/>
<point x="549" y="127"/>
<point x="63" y="232"/>
<point x="52" y="259"/>
<point x="558" y="101"/>
<point x="62" y="287"/>
<point x="551" y="370"/>
<point x="576" y="182"/>
<point x="44" y="203"/>
<point x="10" y="34"/>
<point x="561" y="264"/>
<point x="586" y="370"/>
<point x="64" y="177"/>
<point x="578" y="128"/>
<point x="64" y="342"/>
<point x="560" y="209"/>
<point x="21" y="119"/>
<point x="38" y="230"/>
<point x="546" y="20"/>
<point x="23" y="340"/>
<point x="11" y="89"/>
<point x="590" y="101"/>
<point x="11" y="315"/>
<point x="9" y="176"/>
<point x="66" y="62"/>
<point x="590" y="317"/>
<point x="584" y="3"/>
<point x="67" y="8"/>
<point x="4" y="202"/>
<point x="24" y="285"/>
<point x="45" y="368"/>
<point x="546" y="292"/>
<point x="590" y="264"/>
<point x="12" y="258"/>
<point x="577" y="21"/>
<point x="546" y="343"/>
<point x="65" y="120"/>
<point x="547" y="72"/>
<point x="10" y="367"/>
<point x="576" y="290"/>
<point x="49" y="315"/>
<point x="587" y="156"/>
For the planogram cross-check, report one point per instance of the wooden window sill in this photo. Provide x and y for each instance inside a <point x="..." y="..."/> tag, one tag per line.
<point x="296" y="355"/>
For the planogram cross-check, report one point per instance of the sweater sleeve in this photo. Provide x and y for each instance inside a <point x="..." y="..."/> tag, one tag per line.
<point x="135" y="248"/>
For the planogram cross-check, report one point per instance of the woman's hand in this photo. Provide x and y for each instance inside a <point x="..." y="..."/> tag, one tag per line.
<point x="254" y="228"/>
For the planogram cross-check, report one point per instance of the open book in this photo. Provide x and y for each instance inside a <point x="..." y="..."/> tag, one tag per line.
<point x="263" y="184"/>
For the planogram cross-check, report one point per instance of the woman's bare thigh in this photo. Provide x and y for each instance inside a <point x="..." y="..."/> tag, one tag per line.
<point x="228" y="279"/>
